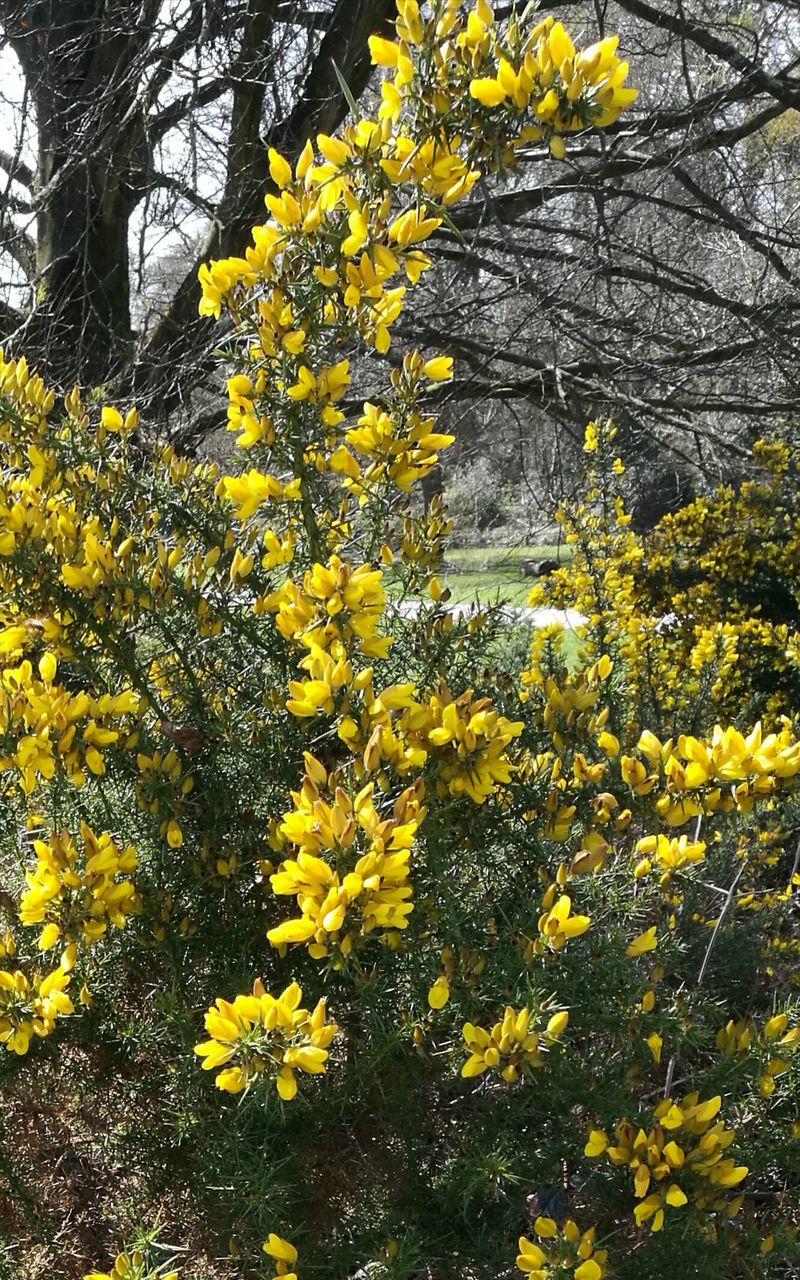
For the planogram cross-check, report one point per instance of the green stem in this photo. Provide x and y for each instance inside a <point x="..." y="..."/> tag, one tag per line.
<point x="309" y="518"/>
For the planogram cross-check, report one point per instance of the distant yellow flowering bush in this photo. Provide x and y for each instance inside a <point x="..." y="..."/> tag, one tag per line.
<point x="237" y="766"/>
<point x="710" y="592"/>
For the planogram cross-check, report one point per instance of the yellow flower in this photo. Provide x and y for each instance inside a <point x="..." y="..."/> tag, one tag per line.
<point x="489" y="92"/>
<point x="588" y="1270"/>
<point x="562" y="1248"/>
<point x="384" y="53"/>
<point x="591" y="440"/>
<point x="439" y="993"/>
<point x="438" y="369"/>
<point x="79" y="887"/>
<point x="654" y="1043"/>
<point x="132" y="1266"/>
<point x="280" y="170"/>
<point x="643" y="942"/>
<point x="468" y="740"/>
<point x="29" y="1006"/>
<point x="369" y="894"/>
<point x="530" y="1258"/>
<point x="279" y="1249"/>
<point x="596" y="1144"/>
<point x="680" y="1158"/>
<point x="557" y="924"/>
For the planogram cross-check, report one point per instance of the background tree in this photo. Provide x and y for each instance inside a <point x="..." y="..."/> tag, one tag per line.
<point x="653" y="275"/>
<point x="139" y="121"/>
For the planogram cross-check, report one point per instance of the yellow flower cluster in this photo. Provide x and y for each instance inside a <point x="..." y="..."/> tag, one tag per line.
<point x="564" y="1253"/>
<point x="334" y="616"/>
<point x="95" y="582"/>
<point x="669" y="782"/>
<point x="668" y="853"/>
<point x="51" y="728"/>
<point x="467" y="738"/>
<point x="77" y="889"/>
<point x="284" y="1255"/>
<point x="729" y="770"/>
<point x="557" y="923"/>
<point x="248" y="491"/>
<point x="348" y="222"/>
<point x="464" y="966"/>
<point x="337" y="608"/>
<point x="265" y="1037"/>
<point x="770" y="1046"/>
<point x="320" y="270"/>
<point x="512" y="1047"/>
<point x="82" y="568"/>
<point x="133" y="1265"/>
<point x="54" y="511"/>
<point x="404" y="451"/>
<point x="531" y="84"/>
<point x="680" y="1159"/>
<point x="164" y="784"/>
<point x="350" y="874"/>
<point x="29" y="1006"/>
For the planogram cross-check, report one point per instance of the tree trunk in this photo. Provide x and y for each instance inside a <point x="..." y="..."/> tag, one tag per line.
<point x="84" y="63"/>
<point x="321" y="108"/>
<point x="82" y="315"/>
<point x="78" y="58"/>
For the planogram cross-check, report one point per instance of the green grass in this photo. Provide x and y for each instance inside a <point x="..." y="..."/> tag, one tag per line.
<point x="488" y="587"/>
<point x="488" y="574"/>
<point x="505" y="557"/>
<point x="491" y="575"/>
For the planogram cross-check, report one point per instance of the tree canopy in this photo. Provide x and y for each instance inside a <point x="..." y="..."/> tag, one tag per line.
<point x="654" y="273"/>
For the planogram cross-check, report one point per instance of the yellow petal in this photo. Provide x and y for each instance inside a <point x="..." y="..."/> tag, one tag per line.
<point x="545" y="1228"/>
<point x="557" y="1024"/>
<point x="643" y="942"/>
<point x="675" y="1196"/>
<point x="48" y="667"/>
<point x="596" y="1144"/>
<point x="473" y="1066"/>
<point x="279" y="1248"/>
<point x="49" y="936"/>
<point x="654" y="1043"/>
<point x="490" y="93"/>
<point x="588" y="1270"/>
<point x="287" y="1085"/>
<point x="383" y="52"/>
<point x="439" y="993"/>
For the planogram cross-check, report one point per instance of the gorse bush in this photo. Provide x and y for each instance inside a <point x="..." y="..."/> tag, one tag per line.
<point x="713" y="591"/>
<point x="342" y="949"/>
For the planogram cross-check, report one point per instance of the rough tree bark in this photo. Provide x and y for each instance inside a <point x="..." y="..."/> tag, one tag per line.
<point x="79" y="71"/>
<point x="320" y="108"/>
<point x="84" y="64"/>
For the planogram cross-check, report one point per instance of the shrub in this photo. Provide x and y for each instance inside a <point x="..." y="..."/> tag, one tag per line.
<point x="465" y="962"/>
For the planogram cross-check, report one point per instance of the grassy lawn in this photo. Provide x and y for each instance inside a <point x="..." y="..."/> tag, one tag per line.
<point x="491" y="573"/>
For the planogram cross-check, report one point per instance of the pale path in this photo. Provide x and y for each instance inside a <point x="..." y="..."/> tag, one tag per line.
<point x="543" y="617"/>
